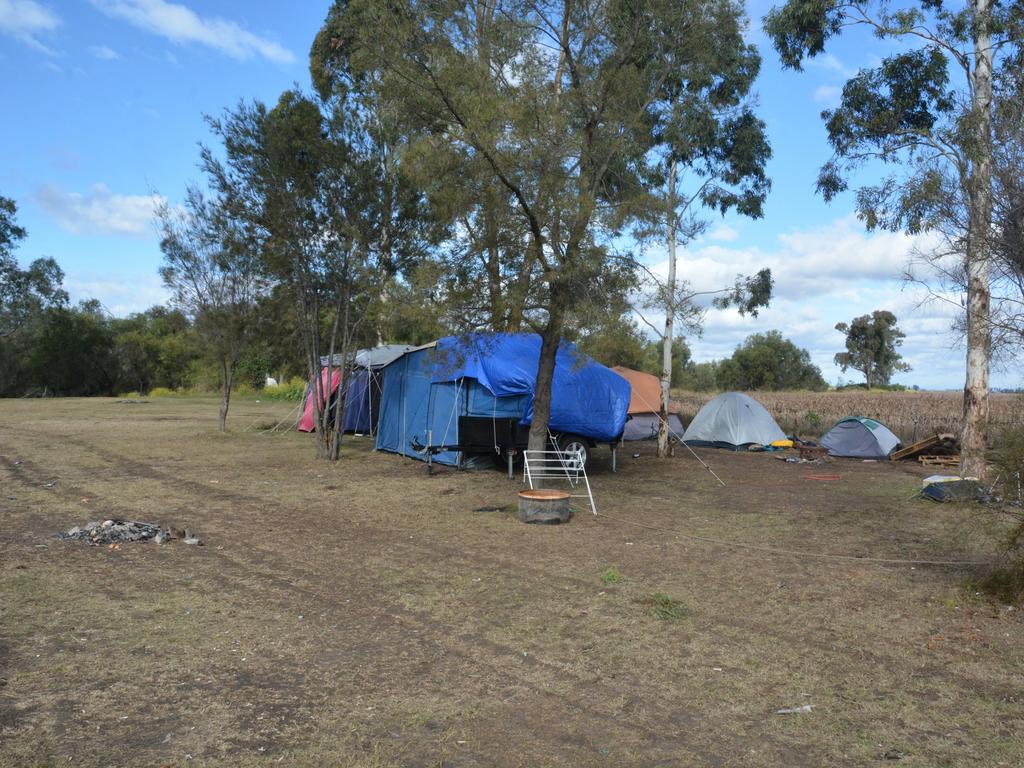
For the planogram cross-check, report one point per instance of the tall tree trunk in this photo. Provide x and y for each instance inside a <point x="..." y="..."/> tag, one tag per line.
<point x="546" y="372"/>
<point x="973" y="442"/>
<point x="670" y="317"/>
<point x="227" y="371"/>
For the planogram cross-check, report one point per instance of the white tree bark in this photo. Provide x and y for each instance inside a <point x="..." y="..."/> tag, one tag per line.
<point x="973" y="443"/>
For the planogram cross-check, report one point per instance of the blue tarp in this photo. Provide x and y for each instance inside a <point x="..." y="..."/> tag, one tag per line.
<point x="426" y="390"/>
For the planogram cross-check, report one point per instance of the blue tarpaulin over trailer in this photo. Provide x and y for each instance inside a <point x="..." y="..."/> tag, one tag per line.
<point x="493" y="375"/>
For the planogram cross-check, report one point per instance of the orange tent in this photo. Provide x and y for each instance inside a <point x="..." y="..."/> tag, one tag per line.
<point x="644" y="405"/>
<point x="645" y="396"/>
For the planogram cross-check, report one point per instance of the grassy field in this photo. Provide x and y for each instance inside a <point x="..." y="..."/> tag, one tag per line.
<point x="911" y="415"/>
<point x="363" y="614"/>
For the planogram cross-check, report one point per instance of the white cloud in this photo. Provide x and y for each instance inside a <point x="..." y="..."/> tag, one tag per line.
<point x="99" y="211"/>
<point x="120" y="296"/>
<point x="723" y="232"/>
<point x="104" y="53"/>
<point x="26" y="20"/>
<point x="825" y="275"/>
<point x="827" y="94"/>
<point x="181" y="25"/>
<point x="831" y="63"/>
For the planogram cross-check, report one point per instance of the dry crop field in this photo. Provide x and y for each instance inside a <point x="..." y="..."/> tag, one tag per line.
<point x="364" y="614"/>
<point x="911" y="415"/>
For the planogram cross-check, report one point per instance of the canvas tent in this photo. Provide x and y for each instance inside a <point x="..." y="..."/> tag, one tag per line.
<point x="362" y="405"/>
<point x="861" y="438"/>
<point x="732" y="420"/>
<point x="477" y="390"/>
<point x="645" y="406"/>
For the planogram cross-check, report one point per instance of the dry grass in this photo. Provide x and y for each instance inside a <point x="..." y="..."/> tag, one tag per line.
<point x="911" y="415"/>
<point x="363" y="615"/>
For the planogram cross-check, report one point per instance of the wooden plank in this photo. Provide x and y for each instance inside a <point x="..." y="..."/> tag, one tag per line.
<point x="919" y="446"/>
<point x="939" y="461"/>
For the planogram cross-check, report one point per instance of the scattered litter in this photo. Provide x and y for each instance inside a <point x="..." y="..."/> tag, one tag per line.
<point x="113" y="533"/>
<point x="493" y="508"/>
<point x="956" y="491"/>
<point x="803" y="709"/>
<point x="636" y="455"/>
<point x="894" y="754"/>
<point x="49" y="484"/>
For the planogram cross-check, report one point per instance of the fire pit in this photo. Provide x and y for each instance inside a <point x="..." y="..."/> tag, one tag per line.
<point x="112" y="532"/>
<point x="542" y="505"/>
<point x="125" y="531"/>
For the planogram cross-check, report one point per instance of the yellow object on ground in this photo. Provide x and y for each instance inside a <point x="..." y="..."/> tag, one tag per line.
<point x="782" y="444"/>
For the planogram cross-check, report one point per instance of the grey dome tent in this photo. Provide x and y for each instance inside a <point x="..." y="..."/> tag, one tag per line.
<point x="732" y="420"/>
<point x="860" y="438"/>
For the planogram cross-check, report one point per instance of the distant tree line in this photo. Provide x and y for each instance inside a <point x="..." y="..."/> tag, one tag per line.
<point x="764" y="361"/>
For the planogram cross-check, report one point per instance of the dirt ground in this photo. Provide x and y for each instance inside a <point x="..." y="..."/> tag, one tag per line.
<point x="363" y="614"/>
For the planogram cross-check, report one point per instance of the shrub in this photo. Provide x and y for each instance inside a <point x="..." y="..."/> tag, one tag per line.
<point x="293" y="390"/>
<point x="1007" y="582"/>
<point x="665" y="608"/>
<point x="613" y="576"/>
<point x="162" y="392"/>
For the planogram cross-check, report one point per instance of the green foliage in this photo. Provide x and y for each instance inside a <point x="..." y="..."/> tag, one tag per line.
<point x="73" y="353"/>
<point x="163" y="392"/>
<point x="1006" y="581"/>
<point x="253" y="367"/>
<point x="24" y="293"/>
<point x="154" y="348"/>
<point x="665" y="608"/>
<point x="293" y="390"/>
<point x="871" y="342"/>
<point x="701" y="377"/>
<point x="767" y="361"/>
<point x="612" y="576"/>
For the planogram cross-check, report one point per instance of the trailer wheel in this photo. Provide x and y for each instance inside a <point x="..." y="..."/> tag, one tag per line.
<point x="570" y="443"/>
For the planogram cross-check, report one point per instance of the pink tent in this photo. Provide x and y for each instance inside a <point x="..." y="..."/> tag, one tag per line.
<point x="307" y="422"/>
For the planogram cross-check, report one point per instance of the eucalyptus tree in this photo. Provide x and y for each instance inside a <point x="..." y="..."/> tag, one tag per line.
<point x="24" y="293"/>
<point x="214" y="274"/>
<point x="558" y="101"/>
<point x="871" y="347"/>
<point x="926" y="109"/>
<point x="940" y="268"/>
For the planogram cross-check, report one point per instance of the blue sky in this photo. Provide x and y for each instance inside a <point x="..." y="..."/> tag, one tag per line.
<point x="105" y="102"/>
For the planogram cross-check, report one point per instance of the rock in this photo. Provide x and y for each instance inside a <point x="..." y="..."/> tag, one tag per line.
<point x="90" y="525"/>
<point x="74" y="531"/>
<point x="107" y="523"/>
